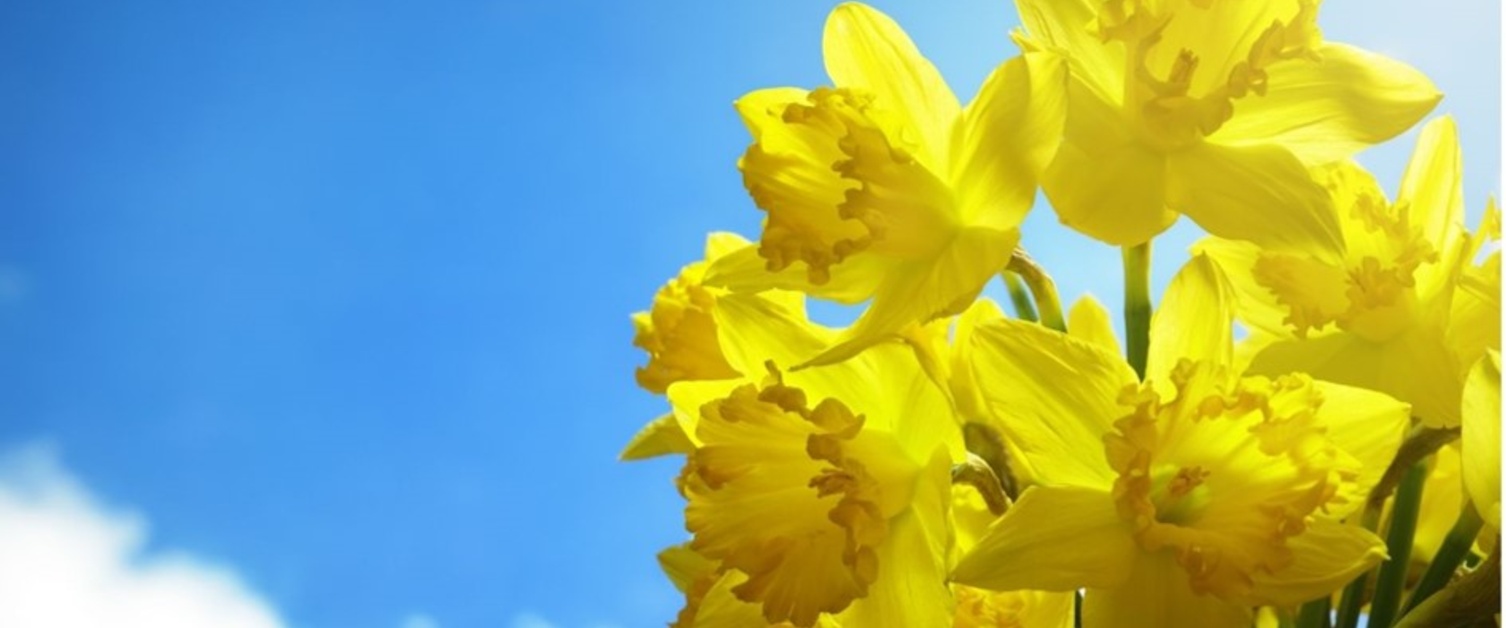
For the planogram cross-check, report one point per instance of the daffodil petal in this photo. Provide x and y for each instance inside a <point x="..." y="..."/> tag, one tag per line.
<point x="753" y="330"/>
<point x="1008" y="135"/>
<point x="1195" y="320"/>
<point x="721" y="608"/>
<point x="1157" y="593"/>
<point x="1433" y="186"/>
<point x="762" y="110"/>
<point x="687" y="397"/>
<point x="894" y="394"/>
<point x="1260" y="194"/>
<point x="911" y="587"/>
<point x="1063" y="25"/>
<point x="1416" y="367"/>
<point x="1331" y="109"/>
<point x="660" y="437"/>
<point x="1056" y="538"/>
<point x="1254" y="304"/>
<point x="1367" y="425"/>
<point x="866" y="49"/>
<point x="963" y="382"/>
<point x="1089" y="320"/>
<point x="915" y="292"/>
<point x="1481" y="439"/>
<point x="1053" y="396"/>
<point x="684" y="566"/>
<point x="1325" y="556"/>
<point x="1442" y="501"/>
<point x="1474" y="320"/>
<point x="852" y="281"/>
<point x="720" y="243"/>
<point x="1103" y="182"/>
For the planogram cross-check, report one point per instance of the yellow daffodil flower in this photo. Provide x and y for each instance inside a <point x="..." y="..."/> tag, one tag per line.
<point x="1211" y="108"/>
<point x="1391" y="315"/>
<point x="884" y="187"/>
<point x="678" y="332"/>
<point x="1186" y="500"/>
<point x="680" y="336"/>
<point x="824" y="491"/>
<point x="1480" y="442"/>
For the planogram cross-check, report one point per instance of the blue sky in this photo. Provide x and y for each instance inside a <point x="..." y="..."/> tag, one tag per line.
<point x="335" y="294"/>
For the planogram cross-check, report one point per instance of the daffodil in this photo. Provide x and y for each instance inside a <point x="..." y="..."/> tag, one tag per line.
<point x="679" y="334"/>
<point x="1211" y="108"/>
<point x="1190" y="498"/>
<point x="1404" y="311"/>
<point x="823" y="492"/>
<point x="884" y="187"/>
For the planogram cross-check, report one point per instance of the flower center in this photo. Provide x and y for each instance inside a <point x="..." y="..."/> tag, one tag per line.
<point x="839" y="175"/>
<point x="1224" y="472"/>
<point x="1173" y="106"/>
<point x="1179" y="497"/>
<point x="1374" y="294"/>
<point x="795" y="497"/>
<point x="679" y="334"/>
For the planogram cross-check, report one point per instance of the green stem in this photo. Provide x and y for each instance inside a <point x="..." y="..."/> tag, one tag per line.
<point x="1041" y="285"/>
<point x="1354" y="594"/>
<point x="1393" y="572"/>
<point x="1137" y="305"/>
<point x="1023" y="308"/>
<point x="1315" y="614"/>
<point x="1472" y="600"/>
<point x="1450" y="554"/>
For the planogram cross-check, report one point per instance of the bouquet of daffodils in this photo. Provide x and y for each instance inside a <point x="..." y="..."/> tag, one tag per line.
<point x="941" y="463"/>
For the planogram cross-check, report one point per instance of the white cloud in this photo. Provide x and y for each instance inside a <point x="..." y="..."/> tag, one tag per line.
<point x="69" y="562"/>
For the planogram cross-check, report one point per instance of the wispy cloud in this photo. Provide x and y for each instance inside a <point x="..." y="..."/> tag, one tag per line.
<point x="70" y="562"/>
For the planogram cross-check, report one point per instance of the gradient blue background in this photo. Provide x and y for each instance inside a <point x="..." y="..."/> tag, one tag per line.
<point x="337" y="293"/>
